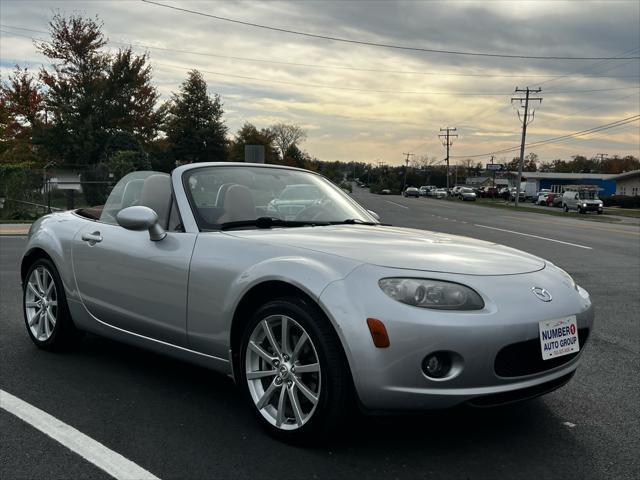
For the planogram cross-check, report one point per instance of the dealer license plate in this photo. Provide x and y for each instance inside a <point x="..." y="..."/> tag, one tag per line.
<point x="558" y="337"/>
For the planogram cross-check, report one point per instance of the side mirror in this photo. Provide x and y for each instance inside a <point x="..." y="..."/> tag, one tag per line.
<point x="374" y="214"/>
<point x="141" y="218"/>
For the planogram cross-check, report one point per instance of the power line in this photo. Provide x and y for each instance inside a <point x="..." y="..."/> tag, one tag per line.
<point x="594" y="65"/>
<point x="357" y="89"/>
<point x="606" y="126"/>
<point x="370" y="90"/>
<point x="374" y="44"/>
<point x="318" y="66"/>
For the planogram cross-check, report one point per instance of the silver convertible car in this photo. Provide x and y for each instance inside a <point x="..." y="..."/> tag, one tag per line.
<point x="309" y="314"/>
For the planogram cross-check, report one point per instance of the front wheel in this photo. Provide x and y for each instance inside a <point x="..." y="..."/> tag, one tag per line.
<point x="46" y="313"/>
<point x="293" y="371"/>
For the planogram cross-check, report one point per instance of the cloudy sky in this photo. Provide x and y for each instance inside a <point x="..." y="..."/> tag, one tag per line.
<point x="368" y="103"/>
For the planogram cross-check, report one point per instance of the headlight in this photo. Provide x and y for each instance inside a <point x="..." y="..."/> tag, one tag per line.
<point x="584" y="204"/>
<point x="431" y="294"/>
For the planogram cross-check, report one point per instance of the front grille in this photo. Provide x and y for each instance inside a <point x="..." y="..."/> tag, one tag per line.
<point x="525" y="358"/>
<point x="503" y="398"/>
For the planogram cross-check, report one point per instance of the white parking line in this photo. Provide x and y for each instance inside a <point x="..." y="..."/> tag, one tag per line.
<point x="397" y="204"/>
<point x="111" y="462"/>
<point x="534" y="236"/>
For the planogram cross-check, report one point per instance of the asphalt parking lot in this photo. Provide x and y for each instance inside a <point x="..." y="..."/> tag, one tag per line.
<point x="180" y="421"/>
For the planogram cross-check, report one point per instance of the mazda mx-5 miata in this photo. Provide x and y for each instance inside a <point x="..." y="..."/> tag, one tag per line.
<point x="310" y="310"/>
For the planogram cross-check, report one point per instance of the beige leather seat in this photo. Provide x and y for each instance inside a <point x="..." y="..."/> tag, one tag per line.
<point x="238" y="204"/>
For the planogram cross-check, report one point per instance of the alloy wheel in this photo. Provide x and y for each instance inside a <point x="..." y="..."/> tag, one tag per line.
<point x="41" y="304"/>
<point x="282" y="370"/>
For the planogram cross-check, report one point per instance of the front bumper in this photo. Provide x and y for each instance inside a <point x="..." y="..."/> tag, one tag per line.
<point x="591" y="207"/>
<point x="392" y="378"/>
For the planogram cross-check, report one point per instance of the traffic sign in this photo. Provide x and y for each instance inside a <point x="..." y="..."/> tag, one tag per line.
<point x="496" y="167"/>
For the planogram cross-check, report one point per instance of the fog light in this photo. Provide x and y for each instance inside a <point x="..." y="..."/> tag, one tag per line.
<point x="436" y="365"/>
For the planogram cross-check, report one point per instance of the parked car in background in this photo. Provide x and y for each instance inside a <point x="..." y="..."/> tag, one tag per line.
<point x="582" y="200"/>
<point x="536" y="197"/>
<point x="411" y="192"/>
<point x="440" y="193"/>
<point x="467" y="194"/>
<point x="512" y="195"/>
<point x="543" y="198"/>
<point x="292" y="200"/>
<point x="489" y="192"/>
<point x="385" y="191"/>
<point x="556" y="201"/>
<point x="504" y="193"/>
<point x="426" y="189"/>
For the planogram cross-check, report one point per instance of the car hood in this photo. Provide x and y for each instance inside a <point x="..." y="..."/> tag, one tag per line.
<point x="403" y="248"/>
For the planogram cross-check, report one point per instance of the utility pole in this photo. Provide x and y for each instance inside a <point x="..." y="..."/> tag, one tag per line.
<point x="406" y="160"/>
<point x="526" y="119"/>
<point x="493" y="183"/>
<point x="602" y="156"/>
<point x="447" y="143"/>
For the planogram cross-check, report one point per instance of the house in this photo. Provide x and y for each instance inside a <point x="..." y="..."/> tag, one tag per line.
<point x="628" y="183"/>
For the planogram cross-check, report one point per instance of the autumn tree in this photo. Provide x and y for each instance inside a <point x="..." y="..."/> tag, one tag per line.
<point x="92" y="94"/>
<point x="21" y="116"/>
<point x="286" y="135"/>
<point x="194" y="126"/>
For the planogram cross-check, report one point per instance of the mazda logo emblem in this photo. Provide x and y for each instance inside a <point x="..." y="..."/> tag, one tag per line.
<point x="542" y="293"/>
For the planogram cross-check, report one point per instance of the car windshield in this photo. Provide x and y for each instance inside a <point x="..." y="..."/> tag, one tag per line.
<point x="222" y="195"/>
<point x="588" y="195"/>
<point x="466" y="190"/>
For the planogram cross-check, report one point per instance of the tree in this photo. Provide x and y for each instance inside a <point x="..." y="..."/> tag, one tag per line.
<point x="295" y="157"/>
<point x="530" y="163"/>
<point x="21" y="115"/>
<point x="92" y="94"/>
<point x="286" y="135"/>
<point x="248" y="134"/>
<point x="126" y="161"/>
<point x="194" y="126"/>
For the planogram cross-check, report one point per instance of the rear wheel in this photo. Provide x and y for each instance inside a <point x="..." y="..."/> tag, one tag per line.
<point x="293" y="371"/>
<point x="46" y="313"/>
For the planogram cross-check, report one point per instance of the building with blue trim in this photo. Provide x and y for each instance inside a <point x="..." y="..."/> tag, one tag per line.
<point x="556" y="182"/>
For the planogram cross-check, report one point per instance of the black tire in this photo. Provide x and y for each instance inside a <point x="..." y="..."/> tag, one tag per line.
<point x="336" y="395"/>
<point x="64" y="334"/>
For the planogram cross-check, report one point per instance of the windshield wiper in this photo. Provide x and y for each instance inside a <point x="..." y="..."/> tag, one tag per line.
<point x="268" y="222"/>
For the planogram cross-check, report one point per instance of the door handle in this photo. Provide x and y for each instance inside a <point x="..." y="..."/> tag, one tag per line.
<point x="92" y="238"/>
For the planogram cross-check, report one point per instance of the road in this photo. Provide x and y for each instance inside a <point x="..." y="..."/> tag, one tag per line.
<point x="180" y="421"/>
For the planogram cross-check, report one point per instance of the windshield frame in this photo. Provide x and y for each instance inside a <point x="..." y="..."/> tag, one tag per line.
<point x="204" y="226"/>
